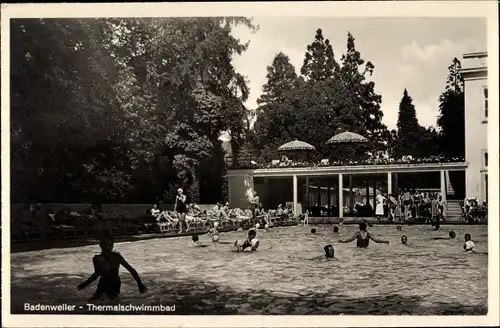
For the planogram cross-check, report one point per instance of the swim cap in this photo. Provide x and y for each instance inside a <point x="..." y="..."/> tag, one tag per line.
<point x="257" y="225"/>
<point x="179" y="190"/>
<point x="313" y="230"/>
<point x="452" y="234"/>
<point x="216" y="224"/>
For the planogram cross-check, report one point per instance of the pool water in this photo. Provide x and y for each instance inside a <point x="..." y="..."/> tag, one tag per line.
<point x="287" y="275"/>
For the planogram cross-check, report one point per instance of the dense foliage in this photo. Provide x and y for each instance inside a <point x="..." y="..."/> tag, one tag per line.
<point x="123" y="110"/>
<point x="328" y="97"/>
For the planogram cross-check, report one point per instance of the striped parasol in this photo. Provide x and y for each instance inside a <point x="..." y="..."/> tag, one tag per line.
<point x="296" y="145"/>
<point x="346" y="137"/>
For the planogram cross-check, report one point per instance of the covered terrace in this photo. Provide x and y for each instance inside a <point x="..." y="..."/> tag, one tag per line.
<point x="312" y="185"/>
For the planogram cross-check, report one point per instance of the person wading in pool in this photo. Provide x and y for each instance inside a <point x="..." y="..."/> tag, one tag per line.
<point x="363" y="237"/>
<point x="106" y="266"/>
<point x="181" y="208"/>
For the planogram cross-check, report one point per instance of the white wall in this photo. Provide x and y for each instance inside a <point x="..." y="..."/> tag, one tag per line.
<point x="476" y="133"/>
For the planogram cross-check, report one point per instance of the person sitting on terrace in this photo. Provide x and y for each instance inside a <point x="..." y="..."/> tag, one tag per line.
<point x="195" y="209"/>
<point x="279" y="210"/>
<point x="155" y="211"/>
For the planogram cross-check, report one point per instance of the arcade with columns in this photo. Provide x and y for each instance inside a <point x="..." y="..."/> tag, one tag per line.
<point x="337" y="186"/>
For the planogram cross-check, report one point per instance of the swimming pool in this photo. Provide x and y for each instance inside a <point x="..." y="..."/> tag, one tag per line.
<point x="285" y="275"/>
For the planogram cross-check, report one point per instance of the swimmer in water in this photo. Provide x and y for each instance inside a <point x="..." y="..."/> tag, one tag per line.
<point x="313" y="230"/>
<point x="399" y="228"/>
<point x="469" y="244"/>
<point x="329" y="252"/>
<point x="341" y="222"/>
<point x="106" y="266"/>
<point x="251" y="242"/>
<point x="335" y="229"/>
<point x="363" y="238"/>
<point x="451" y="235"/>
<point x="214" y="233"/>
<point x="404" y="240"/>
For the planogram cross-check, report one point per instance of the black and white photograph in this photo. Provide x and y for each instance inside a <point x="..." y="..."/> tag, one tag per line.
<point x="249" y="163"/>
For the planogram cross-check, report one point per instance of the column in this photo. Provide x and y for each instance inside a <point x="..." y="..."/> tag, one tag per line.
<point x="367" y="195"/>
<point x="396" y="185"/>
<point x="443" y="185"/>
<point x="265" y="198"/>
<point x="329" y="196"/>
<point x="341" y="198"/>
<point x="307" y="193"/>
<point x="389" y="183"/>
<point x="351" y="202"/>
<point x="319" y="193"/>
<point x="295" y="193"/>
<point x="374" y="195"/>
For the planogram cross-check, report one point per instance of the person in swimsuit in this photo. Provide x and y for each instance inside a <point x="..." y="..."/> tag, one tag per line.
<point x="469" y="244"/>
<point x="106" y="266"/>
<point x="363" y="238"/>
<point x="407" y="202"/>
<point x="214" y="233"/>
<point x="251" y="242"/>
<point x="181" y="208"/>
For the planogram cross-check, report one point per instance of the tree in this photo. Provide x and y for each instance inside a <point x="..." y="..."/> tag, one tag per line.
<point x="409" y="131"/>
<point x="452" y="117"/>
<point x="281" y="77"/>
<point x="275" y="115"/>
<point x="319" y="62"/>
<point x="354" y="73"/>
<point x="452" y="122"/>
<point x="123" y="109"/>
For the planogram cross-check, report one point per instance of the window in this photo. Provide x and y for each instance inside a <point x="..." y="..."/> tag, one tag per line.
<point x="485" y="99"/>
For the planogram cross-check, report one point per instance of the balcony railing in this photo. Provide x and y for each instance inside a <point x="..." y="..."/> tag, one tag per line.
<point x="245" y="164"/>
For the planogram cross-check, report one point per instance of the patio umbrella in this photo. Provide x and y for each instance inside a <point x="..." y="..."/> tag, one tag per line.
<point x="347" y="137"/>
<point x="295" y="147"/>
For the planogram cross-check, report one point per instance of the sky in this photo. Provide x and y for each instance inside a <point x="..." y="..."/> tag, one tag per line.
<point x="411" y="53"/>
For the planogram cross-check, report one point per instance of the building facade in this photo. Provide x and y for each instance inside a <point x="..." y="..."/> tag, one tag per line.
<point x="475" y="74"/>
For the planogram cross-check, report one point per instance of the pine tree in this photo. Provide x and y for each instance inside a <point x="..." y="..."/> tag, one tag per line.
<point x="408" y="128"/>
<point x="281" y="77"/>
<point x="319" y="62"/>
<point x="274" y="114"/>
<point x="354" y="73"/>
<point x="451" y="108"/>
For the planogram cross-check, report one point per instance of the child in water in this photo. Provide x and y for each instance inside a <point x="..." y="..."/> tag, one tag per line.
<point x="404" y="240"/>
<point x="469" y="244"/>
<point x="363" y="238"/>
<point x="329" y="252"/>
<point x="106" y="266"/>
<point x="214" y="233"/>
<point x="251" y="242"/>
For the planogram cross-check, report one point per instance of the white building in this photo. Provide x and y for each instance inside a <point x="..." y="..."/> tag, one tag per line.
<point x="475" y="74"/>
